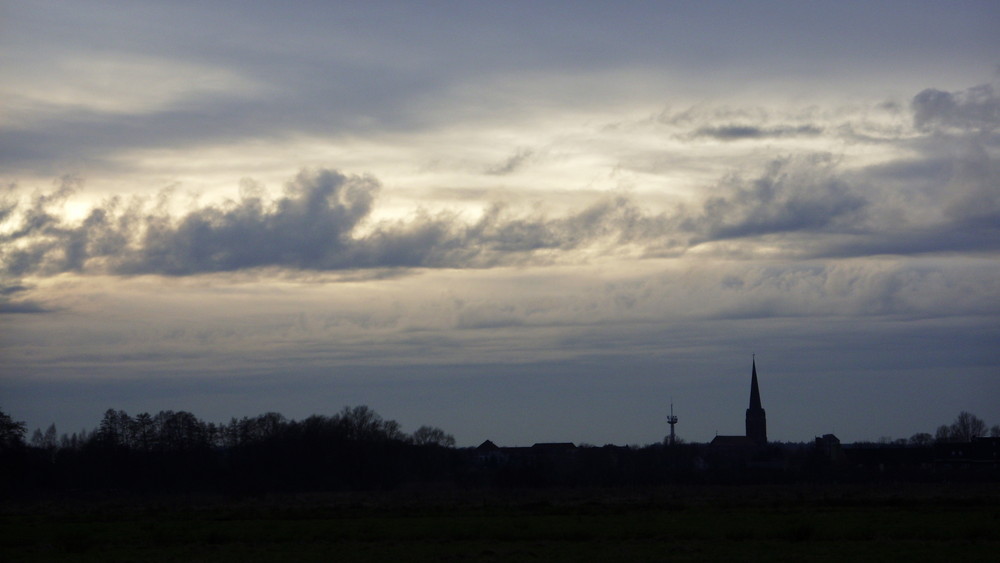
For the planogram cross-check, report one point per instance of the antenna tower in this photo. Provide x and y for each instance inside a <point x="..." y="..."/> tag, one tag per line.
<point x="671" y="420"/>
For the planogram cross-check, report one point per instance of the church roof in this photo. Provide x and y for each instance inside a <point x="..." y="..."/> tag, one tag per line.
<point x="488" y="445"/>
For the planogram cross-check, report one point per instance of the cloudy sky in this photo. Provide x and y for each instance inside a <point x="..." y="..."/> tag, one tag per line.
<point x="522" y="221"/>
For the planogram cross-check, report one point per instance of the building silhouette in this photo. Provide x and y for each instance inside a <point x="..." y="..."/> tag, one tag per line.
<point x="756" y="418"/>
<point x="756" y="422"/>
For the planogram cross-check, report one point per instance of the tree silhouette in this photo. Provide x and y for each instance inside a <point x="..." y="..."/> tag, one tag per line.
<point x="361" y="423"/>
<point x="181" y="431"/>
<point x="11" y="431"/>
<point x="115" y="429"/>
<point x="49" y="440"/>
<point x="966" y="427"/>
<point x="433" y="436"/>
<point x="942" y="434"/>
<point x="144" y="431"/>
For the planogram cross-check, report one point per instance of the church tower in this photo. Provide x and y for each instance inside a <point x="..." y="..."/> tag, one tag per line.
<point x="756" y="419"/>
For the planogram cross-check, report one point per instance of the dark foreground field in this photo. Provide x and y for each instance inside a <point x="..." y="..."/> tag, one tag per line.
<point x="793" y="523"/>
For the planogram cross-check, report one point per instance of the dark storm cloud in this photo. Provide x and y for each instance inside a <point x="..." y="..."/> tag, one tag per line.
<point x="9" y="303"/>
<point x="21" y="307"/>
<point x="965" y="190"/>
<point x="307" y="228"/>
<point x="12" y="289"/>
<point x="977" y="109"/>
<point x="741" y="132"/>
<point x="801" y="194"/>
<point x="956" y="173"/>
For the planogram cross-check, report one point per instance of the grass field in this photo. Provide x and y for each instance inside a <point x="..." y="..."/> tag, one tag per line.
<point x="794" y="523"/>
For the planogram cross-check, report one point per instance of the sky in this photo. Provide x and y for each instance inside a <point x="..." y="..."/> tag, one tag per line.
<point x="519" y="221"/>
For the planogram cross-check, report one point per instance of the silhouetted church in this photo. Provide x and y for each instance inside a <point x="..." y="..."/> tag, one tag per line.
<point x="756" y="422"/>
<point x="756" y="419"/>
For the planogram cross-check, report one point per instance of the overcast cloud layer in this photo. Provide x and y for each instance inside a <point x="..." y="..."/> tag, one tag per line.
<point x="516" y="223"/>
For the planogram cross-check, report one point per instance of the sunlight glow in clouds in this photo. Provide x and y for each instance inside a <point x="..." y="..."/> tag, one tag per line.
<point x="98" y="83"/>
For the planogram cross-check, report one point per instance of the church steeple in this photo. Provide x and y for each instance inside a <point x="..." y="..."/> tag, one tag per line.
<point x="754" y="391"/>
<point x="756" y="417"/>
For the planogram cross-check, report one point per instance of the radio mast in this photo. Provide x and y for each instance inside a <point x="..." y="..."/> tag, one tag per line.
<point x="671" y="420"/>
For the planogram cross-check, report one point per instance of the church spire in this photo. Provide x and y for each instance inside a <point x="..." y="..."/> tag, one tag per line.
<point x="756" y="417"/>
<point x="754" y="391"/>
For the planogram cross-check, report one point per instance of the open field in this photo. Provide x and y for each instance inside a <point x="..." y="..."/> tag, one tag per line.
<point x="830" y="523"/>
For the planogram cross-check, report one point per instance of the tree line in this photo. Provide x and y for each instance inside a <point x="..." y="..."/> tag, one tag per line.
<point x="181" y="430"/>
<point x="174" y="450"/>
<point x="356" y="449"/>
<point x="965" y="427"/>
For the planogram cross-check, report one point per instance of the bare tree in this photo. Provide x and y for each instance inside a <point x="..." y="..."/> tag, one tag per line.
<point x="47" y="440"/>
<point x="51" y="438"/>
<point x="433" y="436"/>
<point x="364" y="424"/>
<point x="966" y="427"/>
